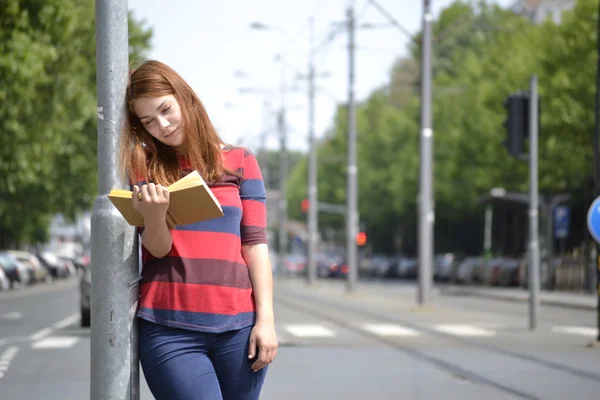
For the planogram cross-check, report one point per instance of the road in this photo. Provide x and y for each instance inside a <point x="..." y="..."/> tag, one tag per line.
<point x="372" y="344"/>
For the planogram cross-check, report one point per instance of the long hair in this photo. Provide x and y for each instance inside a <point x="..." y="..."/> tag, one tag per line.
<point x="145" y="158"/>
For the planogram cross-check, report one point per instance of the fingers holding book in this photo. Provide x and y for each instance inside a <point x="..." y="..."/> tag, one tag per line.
<point x="150" y="200"/>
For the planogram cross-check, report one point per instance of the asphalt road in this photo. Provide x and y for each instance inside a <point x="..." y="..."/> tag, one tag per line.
<point x="372" y="344"/>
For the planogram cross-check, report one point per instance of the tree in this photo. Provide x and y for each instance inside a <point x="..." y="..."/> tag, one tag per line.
<point x="48" y="84"/>
<point x="482" y="53"/>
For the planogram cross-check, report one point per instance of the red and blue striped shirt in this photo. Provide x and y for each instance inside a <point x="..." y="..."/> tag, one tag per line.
<point x="203" y="283"/>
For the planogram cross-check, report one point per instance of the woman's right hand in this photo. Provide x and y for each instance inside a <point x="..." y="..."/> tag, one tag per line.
<point x="152" y="201"/>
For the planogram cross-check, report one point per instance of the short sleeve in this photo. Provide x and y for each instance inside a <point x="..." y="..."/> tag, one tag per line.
<point x="253" y="227"/>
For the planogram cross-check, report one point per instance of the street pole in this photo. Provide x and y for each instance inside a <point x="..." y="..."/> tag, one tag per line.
<point x="263" y="147"/>
<point x="426" y="210"/>
<point x="487" y="234"/>
<point x="283" y="173"/>
<point x="283" y="211"/>
<point x="534" y="244"/>
<point x="352" y="195"/>
<point x="312" y="165"/>
<point x="114" y="247"/>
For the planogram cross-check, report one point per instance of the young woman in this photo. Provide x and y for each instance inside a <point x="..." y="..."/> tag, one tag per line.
<point x="206" y="322"/>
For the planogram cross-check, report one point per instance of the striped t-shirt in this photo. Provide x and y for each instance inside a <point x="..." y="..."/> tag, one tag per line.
<point x="203" y="284"/>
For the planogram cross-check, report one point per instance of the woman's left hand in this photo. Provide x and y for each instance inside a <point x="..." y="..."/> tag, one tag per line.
<point x="264" y="340"/>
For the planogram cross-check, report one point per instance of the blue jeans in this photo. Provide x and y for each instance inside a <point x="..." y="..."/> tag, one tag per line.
<point x="187" y="365"/>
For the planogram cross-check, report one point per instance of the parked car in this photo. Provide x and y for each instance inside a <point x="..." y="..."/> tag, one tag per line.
<point x="4" y="282"/>
<point x="37" y="272"/>
<point x="16" y="273"/>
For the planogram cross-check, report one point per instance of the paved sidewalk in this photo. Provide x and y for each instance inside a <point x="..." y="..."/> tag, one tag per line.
<point x="584" y="301"/>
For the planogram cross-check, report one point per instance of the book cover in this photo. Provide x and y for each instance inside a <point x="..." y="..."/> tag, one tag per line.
<point x="190" y="201"/>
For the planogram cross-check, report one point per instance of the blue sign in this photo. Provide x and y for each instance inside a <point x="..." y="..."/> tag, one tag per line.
<point x="593" y="219"/>
<point x="562" y="219"/>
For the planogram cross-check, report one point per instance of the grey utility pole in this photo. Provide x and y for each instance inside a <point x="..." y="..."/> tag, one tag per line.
<point x="352" y="192"/>
<point x="114" y="262"/>
<point x="534" y="243"/>
<point x="263" y="146"/>
<point x="283" y="173"/>
<point x="313" y="213"/>
<point x="426" y="210"/>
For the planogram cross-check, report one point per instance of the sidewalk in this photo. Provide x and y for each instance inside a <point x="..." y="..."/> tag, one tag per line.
<point x="583" y="301"/>
<point x="406" y="290"/>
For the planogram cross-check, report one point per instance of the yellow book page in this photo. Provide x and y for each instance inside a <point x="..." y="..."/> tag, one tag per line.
<point x="125" y="194"/>
<point x="191" y="177"/>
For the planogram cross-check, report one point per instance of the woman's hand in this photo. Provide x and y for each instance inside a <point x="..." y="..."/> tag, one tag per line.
<point x="264" y="340"/>
<point x="152" y="201"/>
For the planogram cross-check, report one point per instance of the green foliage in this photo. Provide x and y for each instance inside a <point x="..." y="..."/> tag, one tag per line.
<point x="481" y="53"/>
<point x="47" y="119"/>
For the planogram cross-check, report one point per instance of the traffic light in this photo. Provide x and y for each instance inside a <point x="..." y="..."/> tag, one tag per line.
<point x="361" y="238"/>
<point x="304" y="205"/>
<point x="516" y="123"/>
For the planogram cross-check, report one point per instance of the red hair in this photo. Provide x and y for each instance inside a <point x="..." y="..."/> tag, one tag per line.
<point x="143" y="156"/>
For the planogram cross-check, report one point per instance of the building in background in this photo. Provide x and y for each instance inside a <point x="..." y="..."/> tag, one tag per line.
<point x="540" y="10"/>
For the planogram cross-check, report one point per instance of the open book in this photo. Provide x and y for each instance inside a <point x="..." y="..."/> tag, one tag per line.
<point x="190" y="201"/>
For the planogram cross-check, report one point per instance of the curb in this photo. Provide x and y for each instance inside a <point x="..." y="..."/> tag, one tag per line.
<point x="519" y="298"/>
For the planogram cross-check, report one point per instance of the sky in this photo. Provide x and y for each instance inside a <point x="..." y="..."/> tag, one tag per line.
<point x="235" y="70"/>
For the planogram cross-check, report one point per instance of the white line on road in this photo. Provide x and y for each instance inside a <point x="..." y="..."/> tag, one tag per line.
<point x="42" y="333"/>
<point x="11" y="315"/>
<point x="70" y="320"/>
<point x="57" y="342"/>
<point x="390" y="330"/>
<point x="464" y="330"/>
<point x="63" y="323"/>
<point x="576" y="330"/>
<point x="6" y="358"/>
<point x="10" y="353"/>
<point x="308" y="330"/>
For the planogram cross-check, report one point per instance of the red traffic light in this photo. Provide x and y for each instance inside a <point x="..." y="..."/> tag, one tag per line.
<point x="361" y="238"/>
<point x="304" y="205"/>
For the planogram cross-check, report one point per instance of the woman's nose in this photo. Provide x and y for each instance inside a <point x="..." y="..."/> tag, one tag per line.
<point x="163" y="122"/>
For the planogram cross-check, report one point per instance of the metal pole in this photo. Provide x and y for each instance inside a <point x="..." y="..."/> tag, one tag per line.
<point x="283" y="212"/>
<point x="312" y="165"/>
<point x="283" y="173"/>
<point x="534" y="244"/>
<point x="487" y="235"/>
<point x="352" y="195"/>
<point x="114" y="247"/>
<point x="426" y="210"/>
<point x="263" y="147"/>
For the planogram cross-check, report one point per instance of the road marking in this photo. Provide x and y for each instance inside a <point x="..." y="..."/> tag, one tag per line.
<point x="63" y="323"/>
<point x="464" y="330"/>
<point x="9" y="354"/>
<point x="70" y="320"/>
<point x="42" y="333"/>
<point x="390" y="330"/>
<point x="308" y="330"/>
<point x="12" y="315"/>
<point x="56" y="342"/>
<point x="576" y="330"/>
<point x="6" y="358"/>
